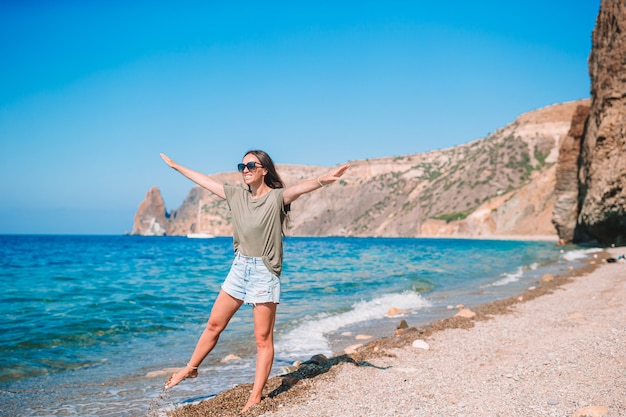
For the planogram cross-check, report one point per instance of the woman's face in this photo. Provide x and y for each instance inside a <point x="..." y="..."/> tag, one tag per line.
<point x="255" y="175"/>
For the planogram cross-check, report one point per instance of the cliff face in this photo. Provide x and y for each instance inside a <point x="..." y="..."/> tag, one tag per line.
<point x="602" y="174"/>
<point x="500" y="185"/>
<point x="566" y="189"/>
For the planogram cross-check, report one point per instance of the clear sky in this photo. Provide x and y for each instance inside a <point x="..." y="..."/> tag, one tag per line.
<point x="92" y="92"/>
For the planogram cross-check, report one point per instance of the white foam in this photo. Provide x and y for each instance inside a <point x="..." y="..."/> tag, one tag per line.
<point x="509" y="278"/>
<point x="309" y="337"/>
<point x="579" y="254"/>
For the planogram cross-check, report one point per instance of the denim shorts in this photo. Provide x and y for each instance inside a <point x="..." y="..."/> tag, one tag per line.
<point x="250" y="280"/>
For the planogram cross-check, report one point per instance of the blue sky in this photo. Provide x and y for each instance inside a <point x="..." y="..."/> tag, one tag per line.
<point x="92" y="92"/>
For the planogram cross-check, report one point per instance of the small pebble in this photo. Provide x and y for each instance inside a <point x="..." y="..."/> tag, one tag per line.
<point x="420" y="344"/>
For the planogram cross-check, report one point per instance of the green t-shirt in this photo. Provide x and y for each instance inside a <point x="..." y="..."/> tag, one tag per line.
<point x="257" y="225"/>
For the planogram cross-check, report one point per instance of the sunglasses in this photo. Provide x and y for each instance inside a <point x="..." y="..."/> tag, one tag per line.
<point x="250" y="165"/>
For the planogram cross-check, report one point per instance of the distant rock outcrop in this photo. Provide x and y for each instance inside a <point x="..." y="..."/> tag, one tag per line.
<point x="500" y="185"/>
<point x="602" y="215"/>
<point x="151" y="218"/>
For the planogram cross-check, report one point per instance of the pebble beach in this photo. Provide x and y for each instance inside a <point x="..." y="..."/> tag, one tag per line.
<point x="557" y="349"/>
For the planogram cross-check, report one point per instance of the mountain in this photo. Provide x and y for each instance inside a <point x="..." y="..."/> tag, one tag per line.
<point x="499" y="185"/>
<point x="559" y="170"/>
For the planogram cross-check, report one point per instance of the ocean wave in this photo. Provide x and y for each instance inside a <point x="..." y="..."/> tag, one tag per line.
<point x="577" y="254"/>
<point x="309" y="337"/>
<point x="508" y="278"/>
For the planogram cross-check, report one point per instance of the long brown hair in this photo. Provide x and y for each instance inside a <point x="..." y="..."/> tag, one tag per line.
<point x="272" y="179"/>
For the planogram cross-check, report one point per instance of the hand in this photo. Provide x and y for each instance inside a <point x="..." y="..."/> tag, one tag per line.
<point x="334" y="175"/>
<point x="167" y="160"/>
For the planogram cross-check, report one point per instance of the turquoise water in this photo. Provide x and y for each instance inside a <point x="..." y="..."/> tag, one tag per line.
<point x="91" y="324"/>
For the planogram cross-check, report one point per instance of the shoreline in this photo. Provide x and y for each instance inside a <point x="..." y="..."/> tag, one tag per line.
<point x="530" y="238"/>
<point x="320" y="387"/>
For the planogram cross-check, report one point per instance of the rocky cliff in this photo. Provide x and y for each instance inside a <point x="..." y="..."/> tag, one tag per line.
<point x="499" y="185"/>
<point x="602" y="170"/>
<point x="566" y="190"/>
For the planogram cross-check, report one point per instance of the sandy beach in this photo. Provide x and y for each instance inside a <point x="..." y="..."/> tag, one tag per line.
<point x="558" y="349"/>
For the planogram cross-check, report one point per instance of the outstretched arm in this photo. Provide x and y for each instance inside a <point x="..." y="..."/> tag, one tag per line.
<point x="306" y="186"/>
<point x="199" y="178"/>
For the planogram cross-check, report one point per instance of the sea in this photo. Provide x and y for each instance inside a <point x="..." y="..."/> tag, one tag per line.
<point x="94" y="325"/>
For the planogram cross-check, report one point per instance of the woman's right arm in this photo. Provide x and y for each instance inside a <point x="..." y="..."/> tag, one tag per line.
<point x="199" y="178"/>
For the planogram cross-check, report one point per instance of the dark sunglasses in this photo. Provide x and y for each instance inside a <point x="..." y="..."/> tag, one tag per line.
<point x="250" y="165"/>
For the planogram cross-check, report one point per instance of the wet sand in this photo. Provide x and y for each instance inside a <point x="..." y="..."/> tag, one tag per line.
<point x="558" y="349"/>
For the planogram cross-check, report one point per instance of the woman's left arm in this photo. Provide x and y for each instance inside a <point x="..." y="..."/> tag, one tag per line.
<point x="292" y="193"/>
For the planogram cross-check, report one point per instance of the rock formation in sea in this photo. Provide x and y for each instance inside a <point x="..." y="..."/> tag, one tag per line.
<point x="151" y="218"/>
<point x="602" y="171"/>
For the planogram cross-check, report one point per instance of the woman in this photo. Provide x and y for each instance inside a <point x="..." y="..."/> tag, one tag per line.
<point x="258" y="216"/>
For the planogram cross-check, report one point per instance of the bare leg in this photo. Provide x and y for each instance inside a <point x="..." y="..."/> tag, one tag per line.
<point x="264" y="318"/>
<point x="223" y="310"/>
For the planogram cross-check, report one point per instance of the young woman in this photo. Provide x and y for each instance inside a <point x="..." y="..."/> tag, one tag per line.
<point x="258" y="216"/>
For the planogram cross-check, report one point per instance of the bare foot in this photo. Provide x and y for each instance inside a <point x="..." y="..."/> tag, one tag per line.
<point x="186" y="372"/>
<point x="249" y="404"/>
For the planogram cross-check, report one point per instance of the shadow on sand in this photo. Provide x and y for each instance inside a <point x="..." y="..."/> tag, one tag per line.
<point x="315" y="366"/>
